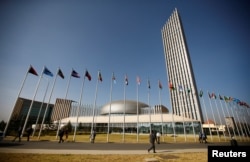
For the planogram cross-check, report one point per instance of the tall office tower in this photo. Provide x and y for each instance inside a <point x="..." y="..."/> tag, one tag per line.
<point x="183" y="91"/>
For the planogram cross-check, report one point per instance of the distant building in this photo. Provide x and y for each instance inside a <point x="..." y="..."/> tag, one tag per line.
<point x="183" y="91"/>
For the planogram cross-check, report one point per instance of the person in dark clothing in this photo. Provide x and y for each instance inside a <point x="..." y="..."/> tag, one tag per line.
<point x="92" y="136"/>
<point x="29" y="131"/>
<point x="204" y="137"/>
<point x="18" y="135"/>
<point x="152" y="139"/>
<point x="200" y="137"/>
<point x="61" y="133"/>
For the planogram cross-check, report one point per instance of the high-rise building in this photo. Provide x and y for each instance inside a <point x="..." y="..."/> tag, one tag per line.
<point x="183" y="90"/>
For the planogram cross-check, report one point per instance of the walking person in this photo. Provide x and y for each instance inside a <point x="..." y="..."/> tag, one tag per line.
<point x="29" y="130"/>
<point x="152" y="139"/>
<point x="61" y="133"/>
<point x="204" y="137"/>
<point x="18" y="134"/>
<point x="200" y="137"/>
<point x="66" y="134"/>
<point x="158" y="135"/>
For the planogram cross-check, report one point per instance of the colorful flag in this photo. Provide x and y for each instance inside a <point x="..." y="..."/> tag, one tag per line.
<point x="214" y="96"/>
<point x="113" y="78"/>
<point x="201" y="93"/>
<point x="220" y="97"/>
<point x="47" y="72"/>
<point x="99" y="76"/>
<point x="188" y="90"/>
<point x="88" y="75"/>
<point x="149" y="84"/>
<point x="180" y="88"/>
<point x="171" y="86"/>
<point x="75" y="74"/>
<point x="159" y="84"/>
<point x="60" y="73"/>
<point x="126" y="79"/>
<point x="32" y="71"/>
<point x="138" y="80"/>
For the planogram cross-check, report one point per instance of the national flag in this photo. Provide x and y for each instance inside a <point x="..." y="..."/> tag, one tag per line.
<point x="149" y="84"/>
<point x="88" y="75"/>
<point x="170" y="85"/>
<point x="214" y="96"/>
<point x="210" y="95"/>
<point x="201" y="93"/>
<point x="60" y="73"/>
<point x="75" y="74"/>
<point x="159" y="84"/>
<point x="180" y="88"/>
<point x="188" y="90"/>
<point x="47" y="72"/>
<point x="99" y="76"/>
<point x="126" y="79"/>
<point x="32" y="71"/>
<point x="138" y="80"/>
<point x="220" y="97"/>
<point x="113" y="78"/>
<point x="236" y="100"/>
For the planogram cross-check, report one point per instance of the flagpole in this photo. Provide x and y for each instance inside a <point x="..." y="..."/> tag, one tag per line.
<point x="172" y="115"/>
<point x="78" y="108"/>
<point x="207" y="118"/>
<point x="229" y="116"/>
<point x="137" y="112"/>
<point x="22" y="85"/>
<point x="161" y="114"/>
<point x="224" y="116"/>
<point x="92" y="126"/>
<point x="27" y="117"/>
<point x="238" y="122"/>
<point x="111" y="87"/>
<point x="184" y="127"/>
<point x="213" y="114"/>
<point x="124" y="111"/>
<point x="41" y="108"/>
<point x="235" y="121"/>
<point x="219" y="117"/>
<point x="150" y="129"/>
<point x="66" y="94"/>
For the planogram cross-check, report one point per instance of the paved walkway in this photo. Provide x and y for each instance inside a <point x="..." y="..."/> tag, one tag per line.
<point x="53" y="147"/>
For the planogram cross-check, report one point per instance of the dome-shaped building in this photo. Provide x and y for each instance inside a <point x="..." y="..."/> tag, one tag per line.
<point x="121" y="107"/>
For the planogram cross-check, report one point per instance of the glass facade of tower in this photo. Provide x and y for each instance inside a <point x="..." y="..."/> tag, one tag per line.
<point x="183" y="90"/>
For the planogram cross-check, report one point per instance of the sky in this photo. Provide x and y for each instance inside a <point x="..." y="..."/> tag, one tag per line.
<point x="121" y="37"/>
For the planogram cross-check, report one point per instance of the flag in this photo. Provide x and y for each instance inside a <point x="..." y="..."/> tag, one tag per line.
<point x="180" y="88"/>
<point x="75" y="74"/>
<point x="32" y="71"/>
<point x="88" y="75"/>
<point x="149" y="84"/>
<point x="210" y="96"/>
<point x="201" y="93"/>
<point x="60" y="73"/>
<point x="47" y="72"/>
<point x="99" y="76"/>
<point x="126" y="79"/>
<point x="113" y="78"/>
<point x="220" y="97"/>
<point x="171" y="86"/>
<point x="214" y="96"/>
<point x="159" y="84"/>
<point x="188" y="90"/>
<point x="138" y="80"/>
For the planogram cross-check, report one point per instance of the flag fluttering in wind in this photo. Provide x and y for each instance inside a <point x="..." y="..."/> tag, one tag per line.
<point x="88" y="75"/>
<point x="171" y="86"/>
<point x="180" y="88"/>
<point x="126" y="79"/>
<point x="220" y="97"/>
<point x="159" y="84"/>
<point x="149" y="84"/>
<point x="75" y="74"/>
<point x="201" y="93"/>
<point x="60" y="73"/>
<point x="113" y="78"/>
<point x="47" y="72"/>
<point x="99" y="76"/>
<point x="32" y="71"/>
<point x="138" y="80"/>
